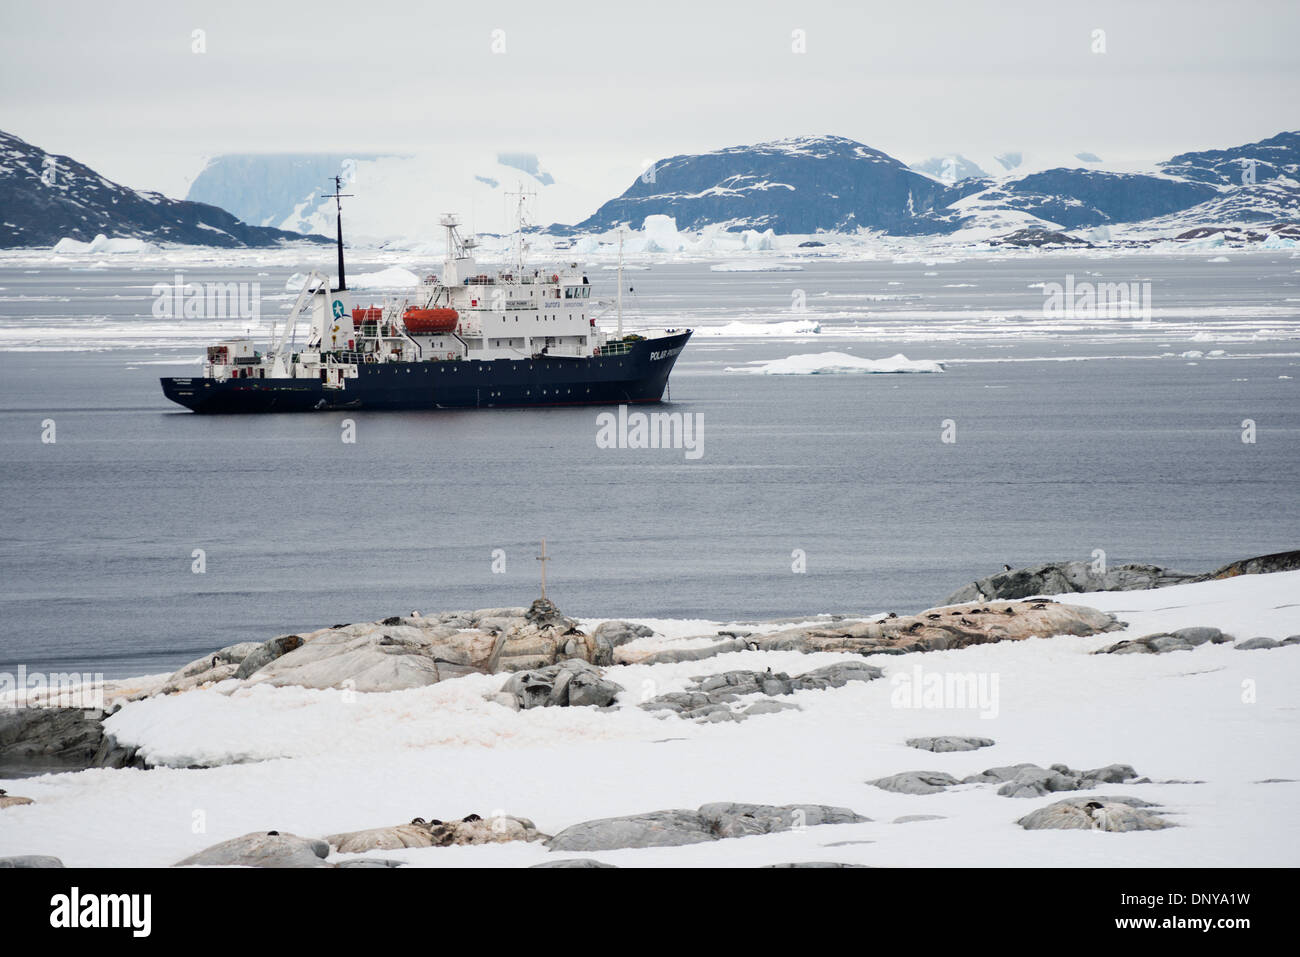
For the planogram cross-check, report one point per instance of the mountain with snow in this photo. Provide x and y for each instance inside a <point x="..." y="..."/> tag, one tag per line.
<point x="394" y="197"/>
<point x="833" y="184"/>
<point x="797" y="185"/>
<point x="46" y="198"/>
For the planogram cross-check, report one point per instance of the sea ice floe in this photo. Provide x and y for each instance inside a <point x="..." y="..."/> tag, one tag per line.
<point x="824" y="363"/>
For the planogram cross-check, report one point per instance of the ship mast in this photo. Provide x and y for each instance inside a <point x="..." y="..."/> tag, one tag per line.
<point x="522" y="222"/>
<point x="620" y="284"/>
<point x="338" y="206"/>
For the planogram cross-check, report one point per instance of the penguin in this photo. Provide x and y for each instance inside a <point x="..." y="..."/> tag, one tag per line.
<point x="215" y="659"/>
<point x="912" y="627"/>
<point x="434" y="822"/>
<point x="420" y="821"/>
<point x="954" y="613"/>
<point x="1006" y="568"/>
<point x="1008" y="610"/>
<point x="3" y="792"/>
<point x="892" y="615"/>
<point x="933" y="617"/>
<point x="470" y="818"/>
<point x="1098" y="814"/>
<point x="272" y="833"/>
<point x="967" y="621"/>
<point x="416" y="614"/>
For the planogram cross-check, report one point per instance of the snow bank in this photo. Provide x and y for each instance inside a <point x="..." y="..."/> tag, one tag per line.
<point x="830" y="363"/>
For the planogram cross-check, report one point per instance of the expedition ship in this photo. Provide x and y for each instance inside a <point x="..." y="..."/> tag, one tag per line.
<point x="462" y="340"/>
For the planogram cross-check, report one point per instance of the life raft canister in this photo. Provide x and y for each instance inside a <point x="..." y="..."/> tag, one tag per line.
<point x="425" y="321"/>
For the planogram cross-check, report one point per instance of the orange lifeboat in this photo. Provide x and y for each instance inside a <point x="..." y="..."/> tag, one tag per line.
<point x="372" y="314"/>
<point x="425" y="321"/>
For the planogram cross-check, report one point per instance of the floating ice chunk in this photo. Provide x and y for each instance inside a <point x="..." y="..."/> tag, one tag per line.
<point x="830" y="363"/>
<point x="102" y="244"/>
<point x="795" y="327"/>
<point x="394" y="277"/>
<point x="756" y="267"/>
<point x="659" y="235"/>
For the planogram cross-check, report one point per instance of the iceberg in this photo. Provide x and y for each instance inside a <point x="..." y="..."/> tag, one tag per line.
<point x="737" y="329"/>
<point x="836" y="363"/>
<point x="756" y="267"/>
<point x="102" y="244"/>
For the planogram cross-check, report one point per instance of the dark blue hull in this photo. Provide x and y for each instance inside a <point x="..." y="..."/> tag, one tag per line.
<point x="640" y="375"/>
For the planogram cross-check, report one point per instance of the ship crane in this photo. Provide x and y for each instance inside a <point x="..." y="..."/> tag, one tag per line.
<point x="317" y="282"/>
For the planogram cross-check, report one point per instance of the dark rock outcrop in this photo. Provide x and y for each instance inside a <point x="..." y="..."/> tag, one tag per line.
<point x="1061" y="578"/>
<point x="34" y="740"/>
<point x="571" y="683"/>
<point x="47" y="197"/>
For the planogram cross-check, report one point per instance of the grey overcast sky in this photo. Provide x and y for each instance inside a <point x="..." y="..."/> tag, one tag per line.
<point x="596" y="87"/>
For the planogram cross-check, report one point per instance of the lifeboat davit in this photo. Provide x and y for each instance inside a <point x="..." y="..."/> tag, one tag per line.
<point x="372" y="314"/>
<point x="425" y="321"/>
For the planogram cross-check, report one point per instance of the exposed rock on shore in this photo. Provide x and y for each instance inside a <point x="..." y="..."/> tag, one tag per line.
<point x="575" y="862"/>
<point x="398" y="652"/>
<point x="12" y="800"/>
<point x="420" y="833"/>
<point x="711" y="697"/>
<point x="29" y="861"/>
<point x="1115" y="814"/>
<point x="1060" y="578"/>
<point x="947" y="742"/>
<point x="571" y="683"/>
<point x="712" y="822"/>
<point x="1184" y="639"/>
<point x="59" y="739"/>
<point x="262" y="849"/>
<point x="1017" y="780"/>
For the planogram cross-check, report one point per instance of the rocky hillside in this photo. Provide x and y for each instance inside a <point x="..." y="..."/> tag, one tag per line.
<point x="795" y="185"/>
<point x="45" y="198"/>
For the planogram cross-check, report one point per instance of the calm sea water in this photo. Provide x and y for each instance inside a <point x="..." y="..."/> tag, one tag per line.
<point x="1095" y="436"/>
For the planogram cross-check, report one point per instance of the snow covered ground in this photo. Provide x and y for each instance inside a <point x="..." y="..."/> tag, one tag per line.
<point x="319" y="762"/>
